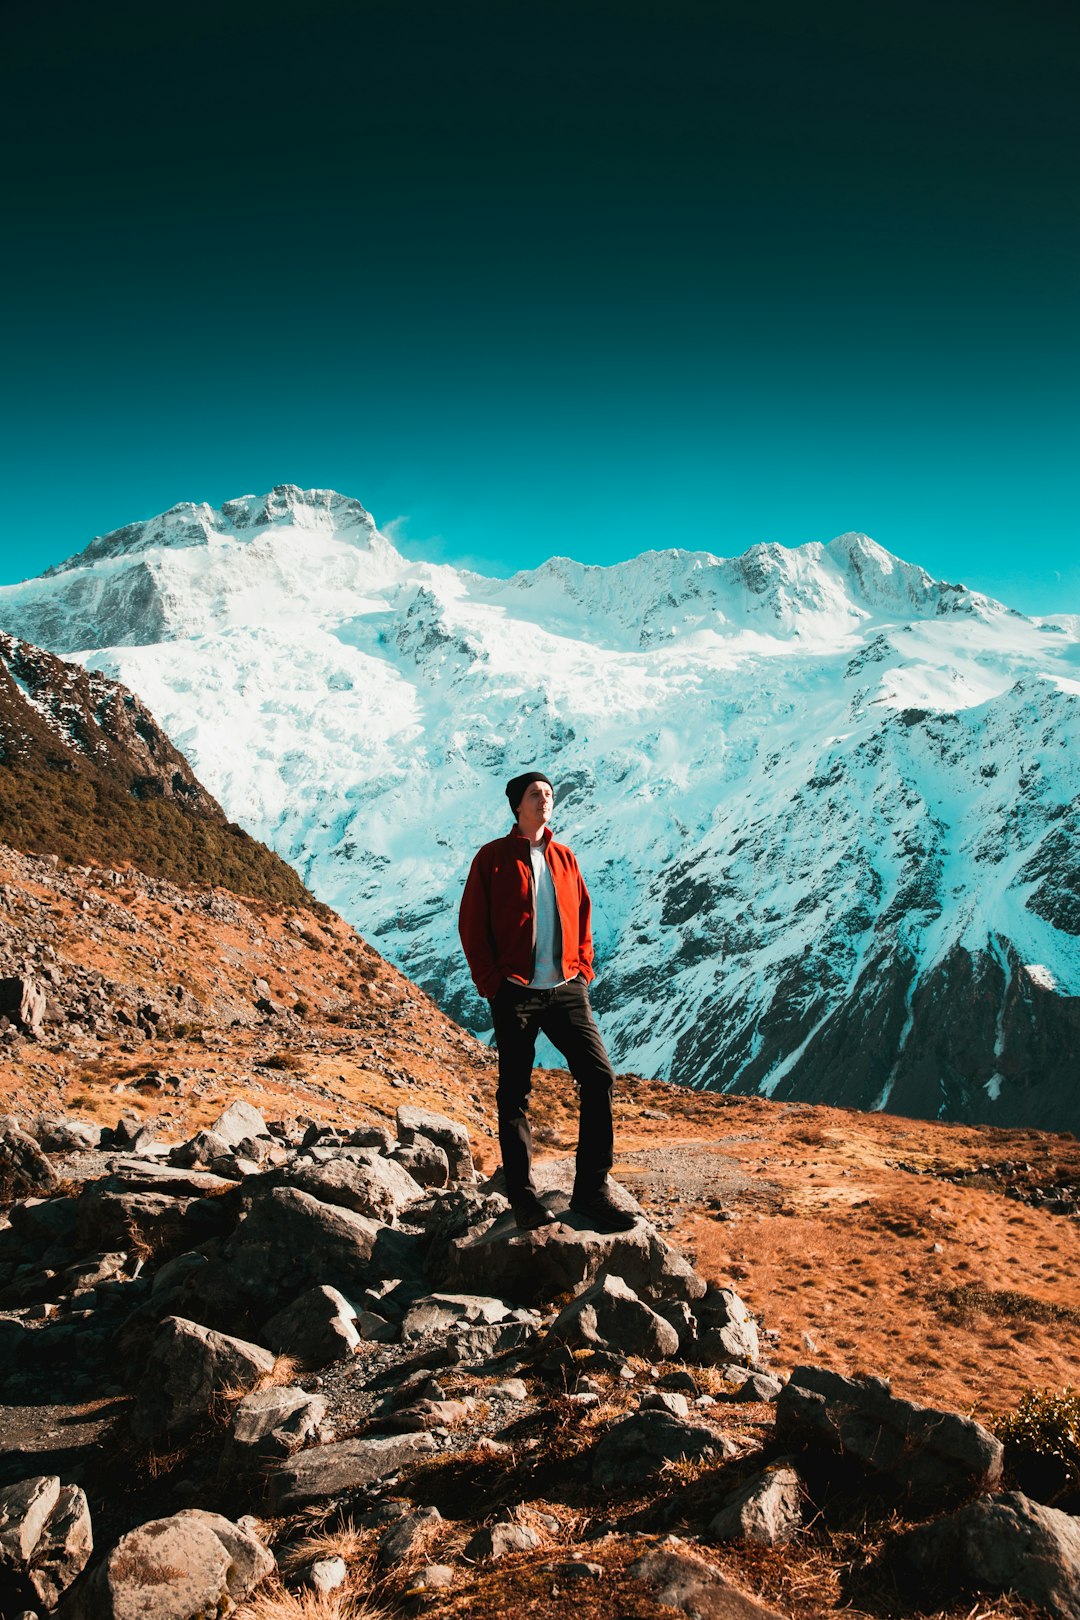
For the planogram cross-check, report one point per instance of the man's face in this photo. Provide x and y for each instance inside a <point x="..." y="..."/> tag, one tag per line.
<point x="536" y="806"/>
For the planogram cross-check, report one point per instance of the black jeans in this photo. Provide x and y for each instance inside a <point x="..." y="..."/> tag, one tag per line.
<point x="565" y="1017"/>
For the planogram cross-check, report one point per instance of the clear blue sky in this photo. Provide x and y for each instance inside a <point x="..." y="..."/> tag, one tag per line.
<point x="569" y="276"/>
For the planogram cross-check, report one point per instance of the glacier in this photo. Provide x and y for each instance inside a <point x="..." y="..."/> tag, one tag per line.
<point x="827" y="806"/>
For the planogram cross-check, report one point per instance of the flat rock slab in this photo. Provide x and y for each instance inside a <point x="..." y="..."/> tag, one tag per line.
<point x="928" y="1453"/>
<point x="438" y="1313"/>
<point x="1004" y="1543"/>
<point x="370" y="1185"/>
<point x="342" y="1466"/>
<point x="684" y="1581"/>
<point x="532" y="1267"/>
<point x="148" y="1176"/>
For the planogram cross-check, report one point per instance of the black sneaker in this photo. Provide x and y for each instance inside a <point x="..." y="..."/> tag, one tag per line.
<point x="602" y="1212"/>
<point x="530" y="1213"/>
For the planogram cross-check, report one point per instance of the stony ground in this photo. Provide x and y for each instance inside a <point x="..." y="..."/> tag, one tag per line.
<point x="942" y="1257"/>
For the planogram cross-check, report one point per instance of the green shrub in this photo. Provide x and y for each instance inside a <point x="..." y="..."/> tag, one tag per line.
<point x="1042" y="1446"/>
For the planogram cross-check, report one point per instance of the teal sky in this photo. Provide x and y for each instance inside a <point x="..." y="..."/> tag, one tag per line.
<point x="563" y="277"/>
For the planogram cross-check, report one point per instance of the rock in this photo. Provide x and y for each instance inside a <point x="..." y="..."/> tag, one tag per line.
<point x="1004" y="1543"/>
<point x="375" y="1186"/>
<point x="425" y="1162"/>
<point x="609" y="1315"/>
<point x="187" y="1367"/>
<point x="564" y="1258"/>
<point x="24" y="1512"/>
<point x="239" y="1122"/>
<point x="180" y="1568"/>
<point x="317" y="1328"/>
<point x="767" y="1510"/>
<point x="275" y="1422"/>
<point x="22" y="1000"/>
<point x="499" y="1539"/>
<point x="403" y="1537"/>
<point x="112" y="1219"/>
<point x="510" y="1389"/>
<point x="341" y="1466"/>
<point x="726" y="1330"/>
<point x="204" y="1148"/>
<point x="638" y="1447"/>
<point x="682" y="1580"/>
<point x="433" y="1578"/>
<point x="24" y="1169"/>
<point x="760" y="1386"/>
<point x="431" y="1414"/>
<point x="415" y="1124"/>
<point x="68" y="1135"/>
<point x="370" y="1325"/>
<point x="929" y="1453"/>
<point x="287" y="1238"/>
<point x="665" y="1400"/>
<point x="325" y="1575"/>
<point x="437" y="1313"/>
<point x="372" y="1136"/>
<point x="64" y="1548"/>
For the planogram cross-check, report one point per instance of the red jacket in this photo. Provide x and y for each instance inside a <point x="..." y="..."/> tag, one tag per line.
<point x="497" y="921"/>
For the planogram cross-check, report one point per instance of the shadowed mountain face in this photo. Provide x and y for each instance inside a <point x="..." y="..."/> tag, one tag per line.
<point x="86" y="773"/>
<point x="827" y="805"/>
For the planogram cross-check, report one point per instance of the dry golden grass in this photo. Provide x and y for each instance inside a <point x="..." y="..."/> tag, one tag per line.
<point x="275" y="1602"/>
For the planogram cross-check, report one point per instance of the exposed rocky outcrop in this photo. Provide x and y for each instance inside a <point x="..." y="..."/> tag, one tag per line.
<point x="404" y="1392"/>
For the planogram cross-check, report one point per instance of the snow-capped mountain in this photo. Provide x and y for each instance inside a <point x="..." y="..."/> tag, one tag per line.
<point x="827" y="805"/>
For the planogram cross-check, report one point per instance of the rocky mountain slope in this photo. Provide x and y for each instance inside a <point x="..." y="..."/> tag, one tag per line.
<point x="86" y="773"/>
<point x="827" y="805"/>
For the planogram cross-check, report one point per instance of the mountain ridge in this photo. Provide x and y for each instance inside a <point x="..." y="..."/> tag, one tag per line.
<point x="822" y="801"/>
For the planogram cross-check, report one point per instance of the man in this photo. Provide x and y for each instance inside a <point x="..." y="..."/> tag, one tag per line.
<point x="524" y="924"/>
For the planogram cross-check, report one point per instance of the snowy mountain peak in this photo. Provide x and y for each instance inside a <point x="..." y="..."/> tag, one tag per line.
<point x="317" y="511"/>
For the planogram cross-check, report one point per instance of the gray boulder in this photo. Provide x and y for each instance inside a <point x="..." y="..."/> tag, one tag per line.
<point x="665" y="1400"/>
<point x="681" y="1580"/>
<point x="287" y="1238"/>
<point x="402" y="1538"/>
<point x="726" y="1330"/>
<point x="638" y="1446"/>
<point x="420" y="1124"/>
<point x="109" y="1218"/>
<point x="45" y="1534"/>
<point x="188" y="1366"/>
<point x="187" y="1566"/>
<point x="205" y="1148"/>
<point x="341" y="1466"/>
<point x="239" y="1123"/>
<point x="564" y="1258"/>
<point x="496" y="1540"/>
<point x="22" y="1000"/>
<point x="317" y="1328"/>
<point x="25" y="1172"/>
<point x="767" y="1510"/>
<point x="1004" y="1543"/>
<point x="274" y="1422"/>
<point x="928" y="1453"/>
<point x="609" y="1316"/>
<point x="425" y="1162"/>
<point x="371" y="1186"/>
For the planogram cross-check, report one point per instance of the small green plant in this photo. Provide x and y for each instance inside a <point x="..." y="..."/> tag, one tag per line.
<point x="1042" y="1445"/>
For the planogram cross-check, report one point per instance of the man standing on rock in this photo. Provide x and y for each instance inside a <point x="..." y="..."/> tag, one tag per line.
<point x="524" y="924"/>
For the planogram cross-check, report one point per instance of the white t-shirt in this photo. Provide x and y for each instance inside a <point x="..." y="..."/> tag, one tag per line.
<point x="548" y="971"/>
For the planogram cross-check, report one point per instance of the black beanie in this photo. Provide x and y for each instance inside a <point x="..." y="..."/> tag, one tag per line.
<point x="515" y="789"/>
